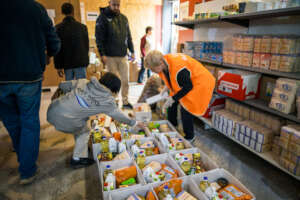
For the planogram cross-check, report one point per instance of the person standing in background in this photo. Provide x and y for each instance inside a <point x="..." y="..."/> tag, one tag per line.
<point x="113" y="38"/>
<point x="146" y="46"/>
<point x="73" y="58"/>
<point x="26" y="36"/>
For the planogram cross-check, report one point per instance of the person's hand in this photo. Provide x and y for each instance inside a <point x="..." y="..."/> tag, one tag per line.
<point x="133" y="57"/>
<point x="139" y="125"/>
<point x="60" y="73"/>
<point x="104" y="60"/>
<point x="169" y="103"/>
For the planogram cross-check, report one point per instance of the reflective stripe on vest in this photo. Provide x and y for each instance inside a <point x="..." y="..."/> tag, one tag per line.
<point x="198" y="99"/>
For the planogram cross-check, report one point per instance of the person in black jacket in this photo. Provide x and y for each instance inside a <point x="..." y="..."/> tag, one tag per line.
<point x="73" y="57"/>
<point x="26" y="37"/>
<point x="113" y="38"/>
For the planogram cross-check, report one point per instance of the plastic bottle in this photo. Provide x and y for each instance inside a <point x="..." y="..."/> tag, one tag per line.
<point x="113" y="145"/>
<point x="140" y="160"/>
<point x="110" y="182"/>
<point x="164" y="193"/>
<point x="168" y="197"/>
<point x="104" y="145"/>
<point x="185" y="165"/>
<point x="178" y="157"/>
<point x="107" y="171"/>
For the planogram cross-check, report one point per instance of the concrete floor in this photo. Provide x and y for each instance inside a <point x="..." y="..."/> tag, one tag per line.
<point x="57" y="181"/>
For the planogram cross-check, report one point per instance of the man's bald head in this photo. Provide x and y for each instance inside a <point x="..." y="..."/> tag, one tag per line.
<point x="114" y="5"/>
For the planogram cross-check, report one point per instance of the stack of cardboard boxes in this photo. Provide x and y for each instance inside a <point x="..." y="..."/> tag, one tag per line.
<point x="284" y="95"/>
<point x="250" y="127"/>
<point x="290" y="143"/>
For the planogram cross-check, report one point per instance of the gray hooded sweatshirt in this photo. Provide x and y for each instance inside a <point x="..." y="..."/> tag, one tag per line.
<point x="83" y="99"/>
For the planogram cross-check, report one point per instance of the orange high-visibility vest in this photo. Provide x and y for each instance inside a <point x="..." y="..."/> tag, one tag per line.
<point x="197" y="100"/>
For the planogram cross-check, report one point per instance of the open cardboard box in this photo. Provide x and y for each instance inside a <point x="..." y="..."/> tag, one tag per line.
<point x="144" y="116"/>
<point x="118" y="164"/>
<point x="164" y="159"/>
<point x="171" y="127"/>
<point x="123" y="195"/>
<point x="215" y="174"/>
<point x="129" y="143"/>
<point x="188" y="185"/>
<point x="187" y="145"/>
<point x="207" y="162"/>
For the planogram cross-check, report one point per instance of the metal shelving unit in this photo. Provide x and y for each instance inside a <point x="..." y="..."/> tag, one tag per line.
<point x="291" y="75"/>
<point x="243" y="18"/>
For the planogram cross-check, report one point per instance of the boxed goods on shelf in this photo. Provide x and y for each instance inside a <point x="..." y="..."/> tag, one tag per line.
<point x="209" y="50"/>
<point x="118" y="176"/>
<point x="225" y="121"/>
<point x="172" y="141"/>
<point x="238" y="84"/>
<point x="276" y="148"/>
<point x="197" y="161"/>
<point x="159" y="168"/>
<point x="221" y="184"/>
<point x="283" y="98"/>
<point x="216" y="103"/>
<point x="290" y="143"/>
<point x="298" y="103"/>
<point x="142" y="112"/>
<point x="181" y="188"/>
<point x="254" y="136"/>
<point x="144" y="147"/>
<point x="266" y="88"/>
<point x="189" y="48"/>
<point x="143" y="192"/>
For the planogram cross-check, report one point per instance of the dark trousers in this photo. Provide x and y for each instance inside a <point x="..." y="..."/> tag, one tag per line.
<point x="142" y="71"/>
<point x="19" y="110"/>
<point x="186" y="117"/>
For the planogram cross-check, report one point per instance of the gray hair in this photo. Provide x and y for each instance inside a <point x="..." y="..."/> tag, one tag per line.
<point x="153" y="59"/>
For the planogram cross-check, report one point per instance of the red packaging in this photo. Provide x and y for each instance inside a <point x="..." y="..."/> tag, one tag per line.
<point x="237" y="84"/>
<point x="216" y="103"/>
<point x="265" y="60"/>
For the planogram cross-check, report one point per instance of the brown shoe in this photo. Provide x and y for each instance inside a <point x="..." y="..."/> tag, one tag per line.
<point x="27" y="181"/>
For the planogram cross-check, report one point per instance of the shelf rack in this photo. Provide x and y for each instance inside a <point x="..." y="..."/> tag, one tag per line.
<point x="243" y="18"/>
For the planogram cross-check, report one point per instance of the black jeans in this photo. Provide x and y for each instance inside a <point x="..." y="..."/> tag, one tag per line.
<point x="186" y="117"/>
<point x="142" y="71"/>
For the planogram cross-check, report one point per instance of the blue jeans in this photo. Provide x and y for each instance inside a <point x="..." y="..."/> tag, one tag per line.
<point x="142" y="71"/>
<point x="75" y="74"/>
<point x="19" y="111"/>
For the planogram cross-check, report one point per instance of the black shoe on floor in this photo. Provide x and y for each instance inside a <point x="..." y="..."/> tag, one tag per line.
<point x="82" y="162"/>
<point x="127" y="106"/>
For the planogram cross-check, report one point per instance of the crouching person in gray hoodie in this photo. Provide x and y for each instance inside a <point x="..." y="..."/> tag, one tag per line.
<point x="70" y="112"/>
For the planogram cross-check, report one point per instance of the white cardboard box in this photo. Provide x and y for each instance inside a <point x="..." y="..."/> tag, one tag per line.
<point x="213" y="175"/>
<point x="129" y="143"/>
<point x="187" y="144"/>
<point x="123" y="195"/>
<point x="144" y="116"/>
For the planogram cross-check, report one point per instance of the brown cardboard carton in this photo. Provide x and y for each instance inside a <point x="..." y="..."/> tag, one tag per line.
<point x="266" y="88"/>
<point x="133" y="72"/>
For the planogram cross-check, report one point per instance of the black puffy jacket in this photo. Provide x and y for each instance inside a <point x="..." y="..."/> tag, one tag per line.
<point x="113" y="35"/>
<point x="27" y="34"/>
<point x="74" y="50"/>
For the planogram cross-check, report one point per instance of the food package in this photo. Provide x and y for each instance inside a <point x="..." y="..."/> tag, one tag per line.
<point x="289" y="63"/>
<point x="150" y="196"/>
<point x="256" y="60"/>
<point x="266" y="43"/>
<point x="122" y="156"/>
<point x="257" y="44"/>
<point x="248" y="43"/>
<point x="237" y="42"/>
<point x="174" y="185"/>
<point x="295" y="148"/>
<point x="275" y="62"/>
<point x="265" y="61"/>
<point x="156" y="166"/>
<point x="239" y="58"/>
<point x="288" y="85"/>
<point x="283" y="96"/>
<point x="288" y="45"/>
<point x="247" y="59"/>
<point x="281" y="106"/>
<point x="276" y="149"/>
<point x="276" y="44"/>
<point x="229" y="57"/>
<point x="185" y="196"/>
<point x="125" y="173"/>
<point x="233" y="192"/>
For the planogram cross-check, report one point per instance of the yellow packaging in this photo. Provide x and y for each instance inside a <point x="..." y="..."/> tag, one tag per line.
<point x="233" y="192"/>
<point x="256" y="60"/>
<point x="257" y="44"/>
<point x="276" y="149"/>
<point x="275" y="62"/>
<point x="247" y="59"/>
<point x="239" y="58"/>
<point x="276" y="43"/>
<point x="266" y="44"/>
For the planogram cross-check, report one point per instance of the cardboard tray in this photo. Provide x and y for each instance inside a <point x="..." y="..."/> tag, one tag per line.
<point x="129" y="143"/>
<point x="208" y="163"/>
<point x="164" y="159"/>
<point x="117" y="165"/>
<point x="187" y="144"/>
<point x="188" y="185"/>
<point x="220" y="173"/>
<point x="123" y="195"/>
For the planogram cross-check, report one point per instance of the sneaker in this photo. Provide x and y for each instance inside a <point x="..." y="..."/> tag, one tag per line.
<point x="82" y="162"/>
<point x="27" y="181"/>
<point x="127" y="106"/>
